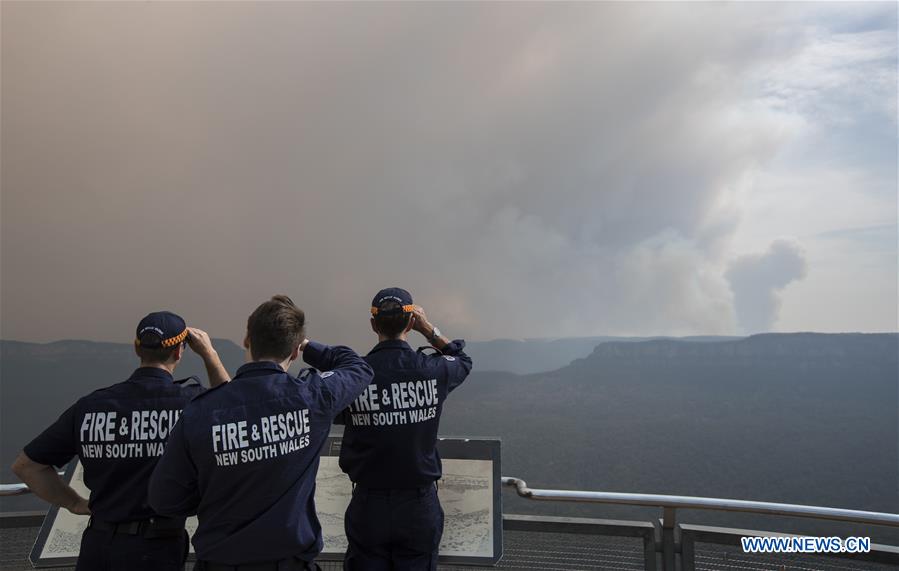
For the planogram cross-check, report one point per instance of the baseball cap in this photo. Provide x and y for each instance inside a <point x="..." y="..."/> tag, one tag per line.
<point x="160" y="329"/>
<point x="392" y="300"/>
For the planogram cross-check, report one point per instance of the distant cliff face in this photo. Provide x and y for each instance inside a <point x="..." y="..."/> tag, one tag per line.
<point x="67" y="349"/>
<point x="758" y="350"/>
<point x="93" y="351"/>
<point x="527" y="356"/>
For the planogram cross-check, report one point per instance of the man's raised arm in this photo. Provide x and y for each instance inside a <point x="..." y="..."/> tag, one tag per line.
<point x="458" y="363"/>
<point x="345" y="374"/>
<point x="201" y="344"/>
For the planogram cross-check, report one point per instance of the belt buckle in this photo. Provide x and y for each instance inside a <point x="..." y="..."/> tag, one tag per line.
<point x="128" y="528"/>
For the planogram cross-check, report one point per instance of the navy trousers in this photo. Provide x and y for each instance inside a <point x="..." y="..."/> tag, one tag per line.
<point x="105" y="550"/>
<point x="393" y="530"/>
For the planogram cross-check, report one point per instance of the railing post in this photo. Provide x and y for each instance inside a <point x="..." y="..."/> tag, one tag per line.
<point x="650" y="548"/>
<point x="669" y="551"/>
<point x="687" y="551"/>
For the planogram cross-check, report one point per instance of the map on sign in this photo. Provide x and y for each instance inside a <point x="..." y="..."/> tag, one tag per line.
<point x="466" y="494"/>
<point x="469" y="493"/>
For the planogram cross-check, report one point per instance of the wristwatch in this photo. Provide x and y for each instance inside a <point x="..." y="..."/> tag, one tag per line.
<point x="435" y="335"/>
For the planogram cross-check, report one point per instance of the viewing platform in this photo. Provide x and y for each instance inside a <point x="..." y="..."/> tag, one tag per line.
<point x="580" y="544"/>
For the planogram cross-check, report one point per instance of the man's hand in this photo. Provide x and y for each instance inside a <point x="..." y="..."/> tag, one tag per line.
<point x="421" y="323"/>
<point x="79" y="507"/>
<point x="200" y="342"/>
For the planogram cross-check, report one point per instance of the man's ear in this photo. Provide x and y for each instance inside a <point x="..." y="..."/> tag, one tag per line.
<point x="178" y="353"/>
<point x="136" y="352"/>
<point x="248" y="353"/>
<point x="295" y="354"/>
<point x="373" y="326"/>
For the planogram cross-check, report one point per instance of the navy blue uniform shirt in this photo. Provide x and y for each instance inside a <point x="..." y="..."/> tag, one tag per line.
<point x="119" y="433"/>
<point x="245" y="455"/>
<point x="390" y="439"/>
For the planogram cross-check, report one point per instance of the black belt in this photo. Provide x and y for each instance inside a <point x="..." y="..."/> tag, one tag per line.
<point x="421" y="490"/>
<point x="281" y="565"/>
<point x="149" y="528"/>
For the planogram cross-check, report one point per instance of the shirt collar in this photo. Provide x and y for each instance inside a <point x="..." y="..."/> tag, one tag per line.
<point x="257" y="368"/>
<point x="151" y="373"/>
<point x="396" y="344"/>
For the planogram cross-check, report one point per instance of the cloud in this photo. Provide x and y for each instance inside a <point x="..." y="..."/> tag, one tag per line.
<point x="836" y="76"/>
<point x="525" y="170"/>
<point x="758" y="279"/>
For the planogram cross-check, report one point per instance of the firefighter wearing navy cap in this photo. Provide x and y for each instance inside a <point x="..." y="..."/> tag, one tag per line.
<point x="389" y="449"/>
<point x="245" y="456"/>
<point x="119" y="433"/>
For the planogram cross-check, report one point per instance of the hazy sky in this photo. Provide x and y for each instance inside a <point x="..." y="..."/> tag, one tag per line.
<point x="525" y="170"/>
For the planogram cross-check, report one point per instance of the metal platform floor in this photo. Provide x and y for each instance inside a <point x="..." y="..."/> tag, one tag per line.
<point x="548" y="552"/>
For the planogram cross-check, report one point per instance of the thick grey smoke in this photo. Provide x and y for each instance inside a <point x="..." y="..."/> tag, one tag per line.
<point x="525" y="169"/>
<point x="758" y="279"/>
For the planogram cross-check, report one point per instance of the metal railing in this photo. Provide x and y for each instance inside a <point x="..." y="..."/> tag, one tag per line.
<point x="699" y="503"/>
<point x="18" y="489"/>
<point x="14" y="489"/>
<point x="675" y="543"/>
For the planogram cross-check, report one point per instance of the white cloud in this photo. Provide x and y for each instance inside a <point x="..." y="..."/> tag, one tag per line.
<point x="834" y="77"/>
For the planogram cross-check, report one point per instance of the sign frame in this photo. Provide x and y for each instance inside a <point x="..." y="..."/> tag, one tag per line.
<point x="449" y="448"/>
<point x="455" y="448"/>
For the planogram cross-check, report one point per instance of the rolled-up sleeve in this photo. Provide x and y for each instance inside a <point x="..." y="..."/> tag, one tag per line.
<point x="58" y="444"/>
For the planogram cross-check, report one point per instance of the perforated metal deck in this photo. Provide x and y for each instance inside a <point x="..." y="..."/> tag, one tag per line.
<point x="548" y="552"/>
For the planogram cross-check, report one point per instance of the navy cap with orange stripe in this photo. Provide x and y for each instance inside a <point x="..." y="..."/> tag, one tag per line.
<point x="392" y="300"/>
<point x="160" y="329"/>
